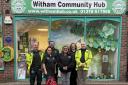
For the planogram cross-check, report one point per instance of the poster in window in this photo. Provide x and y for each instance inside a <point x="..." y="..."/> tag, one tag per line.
<point x="105" y="58"/>
<point x="22" y="71"/>
<point x="21" y="66"/>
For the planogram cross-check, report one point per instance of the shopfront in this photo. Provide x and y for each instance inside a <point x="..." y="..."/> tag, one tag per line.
<point x="98" y="23"/>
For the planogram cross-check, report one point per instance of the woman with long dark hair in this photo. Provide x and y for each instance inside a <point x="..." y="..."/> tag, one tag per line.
<point x="49" y="63"/>
<point x="73" y="77"/>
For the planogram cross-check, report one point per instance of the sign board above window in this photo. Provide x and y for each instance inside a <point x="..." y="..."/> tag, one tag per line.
<point x="75" y="7"/>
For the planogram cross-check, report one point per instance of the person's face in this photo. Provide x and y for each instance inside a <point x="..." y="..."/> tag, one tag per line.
<point x="65" y="49"/>
<point x="35" y="46"/>
<point x="73" y="46"/>
<point x="83" y="46"/>
<point x="52" y="44"/>
<point x="49" y="50"/>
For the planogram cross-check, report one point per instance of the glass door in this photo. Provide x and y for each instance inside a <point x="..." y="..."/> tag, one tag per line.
<point x="29" y="30"/>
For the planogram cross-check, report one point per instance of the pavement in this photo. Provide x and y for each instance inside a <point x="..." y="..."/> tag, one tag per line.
<point x="87" y="83"/>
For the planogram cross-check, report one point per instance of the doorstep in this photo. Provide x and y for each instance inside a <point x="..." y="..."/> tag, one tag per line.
<point x="88" y="82"/>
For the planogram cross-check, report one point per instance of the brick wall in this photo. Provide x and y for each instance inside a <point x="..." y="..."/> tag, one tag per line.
<point x="124" y="48"/>
<point x="8" y="73"/>
<point x="0" y="6"/>
<point x="123" y="56"/>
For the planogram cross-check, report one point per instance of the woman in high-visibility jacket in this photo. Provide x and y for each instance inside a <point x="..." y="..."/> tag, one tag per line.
<point x="34" y="63"/>
<point x="83" y="59"/>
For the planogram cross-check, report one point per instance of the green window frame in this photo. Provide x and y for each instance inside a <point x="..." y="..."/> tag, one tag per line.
<point x="1" y="44"/>
<point x="84" y="19"/>
<point x="116" y="19"/>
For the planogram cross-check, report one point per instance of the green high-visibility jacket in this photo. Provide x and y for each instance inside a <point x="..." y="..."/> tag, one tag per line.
<point x="88" y="59"/>
<point x="29" y="59"/>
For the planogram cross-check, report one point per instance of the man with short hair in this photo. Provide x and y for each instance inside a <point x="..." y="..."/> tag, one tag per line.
<point x="34" y="61"/>
<point x="55" y="51"/>
<point x="83" y="59"/>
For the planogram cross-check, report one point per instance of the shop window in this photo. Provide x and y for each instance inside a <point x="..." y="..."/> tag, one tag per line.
<point x="102" y="38"/>
<point x="67" y="31"/>
<point x="28" y="32"/>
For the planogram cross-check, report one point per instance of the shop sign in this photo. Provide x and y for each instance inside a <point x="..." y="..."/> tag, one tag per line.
<point x="76" y="7"/>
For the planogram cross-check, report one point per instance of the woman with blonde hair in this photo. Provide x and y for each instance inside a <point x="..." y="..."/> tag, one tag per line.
<point x="65" y="65"/>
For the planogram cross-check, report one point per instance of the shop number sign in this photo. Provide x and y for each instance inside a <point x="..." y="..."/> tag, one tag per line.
<point x="68" y="6"/>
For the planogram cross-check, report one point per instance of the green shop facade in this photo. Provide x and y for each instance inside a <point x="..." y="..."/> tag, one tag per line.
<point x="100" y="23"/>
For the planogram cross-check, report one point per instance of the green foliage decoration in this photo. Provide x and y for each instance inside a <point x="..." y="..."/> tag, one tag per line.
<point x="102" y="36"/>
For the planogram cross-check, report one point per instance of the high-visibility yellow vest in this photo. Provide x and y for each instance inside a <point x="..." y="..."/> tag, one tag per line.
<point x="29" y="59"/>
<point x="88" y="59"/>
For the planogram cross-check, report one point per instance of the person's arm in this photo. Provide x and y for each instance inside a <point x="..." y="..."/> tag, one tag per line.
<point x="77" y="59"/>
<point x="71" y="65"/>
<point x="89" y="60"/>
<point x="28" y="58"/>
<point x="60" y="62"/>
<point x="45" y="71"/>
<point x="43" y="64"/>
<point x="28" y="61"/>
<point x="57" y="55"/>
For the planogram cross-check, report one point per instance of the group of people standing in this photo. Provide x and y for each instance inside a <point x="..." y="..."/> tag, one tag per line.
<point x="73" y="63"/>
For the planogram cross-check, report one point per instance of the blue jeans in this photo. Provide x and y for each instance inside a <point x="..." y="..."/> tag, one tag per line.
<point x="66" y="78"/>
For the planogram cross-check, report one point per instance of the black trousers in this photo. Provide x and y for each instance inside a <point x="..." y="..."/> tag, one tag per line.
<point x="56" y="73"/>
<point x="35" y="74"/>
<point x="73" y="77"/>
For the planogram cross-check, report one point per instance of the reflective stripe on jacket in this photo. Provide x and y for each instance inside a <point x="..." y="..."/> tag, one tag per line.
<point x="88" y="59"/>
<point x="29" y="59"/>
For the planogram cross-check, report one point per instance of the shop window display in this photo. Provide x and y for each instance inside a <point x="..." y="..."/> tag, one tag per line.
<point x="28" y="32"/>
<point x="67" y="31"/>
<point x="102" y="38"/>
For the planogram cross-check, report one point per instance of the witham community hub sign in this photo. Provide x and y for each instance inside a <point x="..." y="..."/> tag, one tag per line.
<point x="68" y="6"/>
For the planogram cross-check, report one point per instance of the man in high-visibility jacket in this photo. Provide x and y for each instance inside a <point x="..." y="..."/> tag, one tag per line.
<point x="83" y="59"/>
<point x="34" y="61"/>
